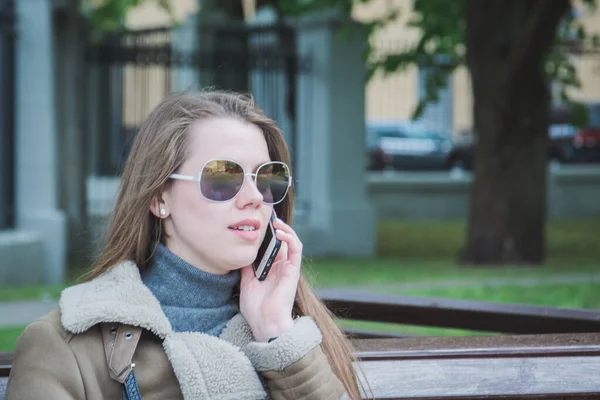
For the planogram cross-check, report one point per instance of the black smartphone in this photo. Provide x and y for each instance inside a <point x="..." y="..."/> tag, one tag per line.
<point x="267" y="252"/>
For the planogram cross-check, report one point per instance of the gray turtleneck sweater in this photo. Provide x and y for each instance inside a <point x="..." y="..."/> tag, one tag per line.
<point x="193" y="300"/>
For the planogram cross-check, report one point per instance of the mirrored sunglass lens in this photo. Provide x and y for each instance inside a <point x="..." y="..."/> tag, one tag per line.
<point x="221" y="180"/>
<point x="272" y="181"/>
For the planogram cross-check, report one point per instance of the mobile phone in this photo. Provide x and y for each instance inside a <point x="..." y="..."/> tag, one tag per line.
<point x="267" y="252"/>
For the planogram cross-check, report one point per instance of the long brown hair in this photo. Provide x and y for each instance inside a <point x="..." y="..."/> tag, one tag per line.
<point x="159" y="148"/>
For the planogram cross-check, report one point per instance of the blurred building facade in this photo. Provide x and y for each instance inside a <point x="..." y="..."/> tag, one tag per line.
<point x="77" y="106"/>
<point x="33" y="241"/>
<point x="74" y="97"/>
<point x="394" y="97"/>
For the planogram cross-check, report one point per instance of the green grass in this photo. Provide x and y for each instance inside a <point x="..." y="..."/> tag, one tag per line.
<point x="356" y="272"/>
<point x="572" y="239"/>
<point x="8" y="337"/>
<point x="416" y="251"/>
<point x="30" y="293"/>
<point x="425" y="252"/>
<point x="41" y="292"/>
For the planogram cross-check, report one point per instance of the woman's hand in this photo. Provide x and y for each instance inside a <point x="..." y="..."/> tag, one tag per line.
<point x="267" y="305"/>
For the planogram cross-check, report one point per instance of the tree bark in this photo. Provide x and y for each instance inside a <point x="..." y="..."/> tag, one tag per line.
<point x="506" y="42"/>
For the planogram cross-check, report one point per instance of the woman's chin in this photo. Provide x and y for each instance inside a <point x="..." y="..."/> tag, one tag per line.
<point x="241" y="261"/>
<point x="238" y="267"/>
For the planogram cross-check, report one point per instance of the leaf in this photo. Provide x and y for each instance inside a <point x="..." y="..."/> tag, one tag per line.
<point x="439" y="48"/>
<point x="579" y="115"/>
<point x="109" y="15"/>
<point x="419" y="109"/>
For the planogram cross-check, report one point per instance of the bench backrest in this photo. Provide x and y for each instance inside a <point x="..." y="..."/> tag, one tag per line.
<point x="459" y="314"/>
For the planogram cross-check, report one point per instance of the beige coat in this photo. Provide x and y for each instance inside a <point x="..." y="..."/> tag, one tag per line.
<point x="112" y="324"/>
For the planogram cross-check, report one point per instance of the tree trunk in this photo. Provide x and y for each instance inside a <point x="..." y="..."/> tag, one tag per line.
<point x="506" y="43"/>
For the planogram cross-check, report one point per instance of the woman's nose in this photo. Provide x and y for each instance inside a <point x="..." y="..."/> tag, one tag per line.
<point x="249" y="193"/>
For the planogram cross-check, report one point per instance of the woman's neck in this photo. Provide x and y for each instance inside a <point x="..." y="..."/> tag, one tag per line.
<point x="193" y="299"/>
<point x="192" y="259"/>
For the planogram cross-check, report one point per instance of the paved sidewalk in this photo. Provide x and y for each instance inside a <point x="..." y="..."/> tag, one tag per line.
<point x="23" y="312"/>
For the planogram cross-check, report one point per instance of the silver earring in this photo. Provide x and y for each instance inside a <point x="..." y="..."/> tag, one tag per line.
<point x="163" y="212"/>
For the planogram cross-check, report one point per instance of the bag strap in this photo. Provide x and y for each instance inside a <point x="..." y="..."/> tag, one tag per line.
<point x="131" y="390"/>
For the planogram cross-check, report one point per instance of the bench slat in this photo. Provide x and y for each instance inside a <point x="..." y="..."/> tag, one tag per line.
<point x="557" y="366"/>
<point x="3" y="382"/>
<point x="564" y="341"/>
<point x="371" y="334"/>
<point x="523" y="378"/>
<point x="5" y="362"/>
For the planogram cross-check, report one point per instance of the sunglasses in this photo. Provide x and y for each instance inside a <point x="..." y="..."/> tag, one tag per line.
<point x="222" y="180"/>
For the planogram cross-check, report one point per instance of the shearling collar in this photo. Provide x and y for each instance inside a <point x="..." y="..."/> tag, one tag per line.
<point x="198" y="360"/>
<point x="119" y="295"/>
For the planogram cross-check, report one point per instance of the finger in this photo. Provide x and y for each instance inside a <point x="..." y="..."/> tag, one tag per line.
<point x="294" y="247"/>
<point x="279" y="224"/>
<point x="282" y="254"/>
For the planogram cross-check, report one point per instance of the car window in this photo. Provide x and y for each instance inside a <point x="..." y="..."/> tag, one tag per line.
<point x="562" y="131"/>
<point x="594" y="116"/>
<point x="420" y="132"/>
<point x="389" y="133"/>
<point x="402" y="131"/>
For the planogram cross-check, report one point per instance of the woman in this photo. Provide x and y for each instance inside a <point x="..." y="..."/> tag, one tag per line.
<point x="173" y="308"/>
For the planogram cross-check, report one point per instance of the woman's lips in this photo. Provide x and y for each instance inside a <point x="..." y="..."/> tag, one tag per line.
<point x="247" y="235"/>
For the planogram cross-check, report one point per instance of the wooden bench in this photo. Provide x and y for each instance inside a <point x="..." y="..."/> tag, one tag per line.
<point x="562" y="366"/>
<point x="542" y="352"/>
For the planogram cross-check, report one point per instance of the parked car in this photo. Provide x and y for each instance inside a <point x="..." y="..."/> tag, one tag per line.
<point x="571" y="145"/>
<point x="406" y="145"/>
<point x="567" y="143"/>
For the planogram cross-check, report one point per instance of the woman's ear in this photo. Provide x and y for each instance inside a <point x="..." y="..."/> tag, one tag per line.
<point x="159" y="208"/>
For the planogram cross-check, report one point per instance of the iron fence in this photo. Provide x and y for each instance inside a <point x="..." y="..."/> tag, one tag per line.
<point x="133" y="70"/>
<point x="7" y="114"/>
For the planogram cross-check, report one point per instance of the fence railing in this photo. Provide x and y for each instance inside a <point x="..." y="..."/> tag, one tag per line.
<point x="7" y="114"/>
<point x="130" y="72"/>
